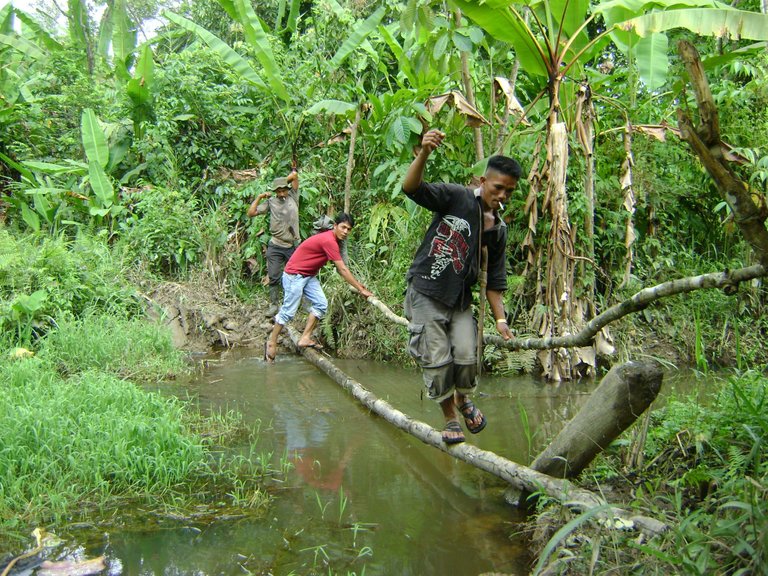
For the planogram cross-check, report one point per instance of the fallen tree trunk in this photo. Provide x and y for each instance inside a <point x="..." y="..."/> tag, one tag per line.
<point x="623" y="395"/>
<point x="517" y="475"/>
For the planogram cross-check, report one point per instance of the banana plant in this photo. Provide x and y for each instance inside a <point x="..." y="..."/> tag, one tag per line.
<point x="118" y="38"/>
<point x="139" y="90"/>
<point x="556" y="45"/>
<point x="70" y="192"/>
<point x="103" y="201"/>
<point x="638" y="28"/>
<point x="23" y="44"/>
<point x="242" y="12"/>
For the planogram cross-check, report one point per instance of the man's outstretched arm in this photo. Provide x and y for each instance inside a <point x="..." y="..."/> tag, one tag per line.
<point x="342" y="269"/>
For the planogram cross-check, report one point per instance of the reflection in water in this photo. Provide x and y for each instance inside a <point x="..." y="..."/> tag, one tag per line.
<point x="363" y="495"/>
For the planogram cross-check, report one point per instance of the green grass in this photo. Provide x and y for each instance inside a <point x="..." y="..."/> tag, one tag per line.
<point x="132" y="348"/>
<point x="77" y="437"/>
<point x="66" y="441"/>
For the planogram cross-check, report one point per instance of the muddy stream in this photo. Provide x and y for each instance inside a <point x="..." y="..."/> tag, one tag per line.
<point x="359" y="496"/>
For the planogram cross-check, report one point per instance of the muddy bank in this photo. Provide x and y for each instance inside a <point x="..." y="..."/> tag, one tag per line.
<point x="203" y="316"/>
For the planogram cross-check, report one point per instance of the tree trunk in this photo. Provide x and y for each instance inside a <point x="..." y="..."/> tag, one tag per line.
<point x="585" y="115"/>
<point x="727" y="281"/>
<point x="351" y="160"/>
<point x="469" y="91"/>
<point x="558" y="296"/>
<point x="627" y="186"/>
<point x="705" y="143"/>
<point x="623" y="395"/>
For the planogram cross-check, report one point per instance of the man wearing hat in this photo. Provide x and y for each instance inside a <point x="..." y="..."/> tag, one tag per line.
<point x="283" y="208"/>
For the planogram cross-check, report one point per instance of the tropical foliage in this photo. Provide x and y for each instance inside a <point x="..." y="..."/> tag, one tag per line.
<point x="125" y="150"/>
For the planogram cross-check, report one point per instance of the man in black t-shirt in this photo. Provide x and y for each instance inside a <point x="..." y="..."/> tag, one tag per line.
<point x="442" y="330"/>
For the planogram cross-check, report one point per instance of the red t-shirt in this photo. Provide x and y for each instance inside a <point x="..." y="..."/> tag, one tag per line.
<point x="313" y="253"/>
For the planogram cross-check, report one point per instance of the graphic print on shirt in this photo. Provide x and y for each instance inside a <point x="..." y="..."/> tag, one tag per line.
<point x="449" y="246"/>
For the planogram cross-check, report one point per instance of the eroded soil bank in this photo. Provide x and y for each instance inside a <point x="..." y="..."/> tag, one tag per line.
<point x="204" y="316"/>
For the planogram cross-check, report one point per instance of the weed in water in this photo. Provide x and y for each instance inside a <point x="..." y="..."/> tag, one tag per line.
<point x="342" y="503"/>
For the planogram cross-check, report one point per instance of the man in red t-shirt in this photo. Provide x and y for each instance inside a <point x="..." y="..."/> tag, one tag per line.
<point x="300" y="279"/>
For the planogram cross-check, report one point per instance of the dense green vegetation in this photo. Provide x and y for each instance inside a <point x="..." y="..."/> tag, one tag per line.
<point x="78" y="434"/>
<point x="126" y="159"/>
<point x="704" y="475"/>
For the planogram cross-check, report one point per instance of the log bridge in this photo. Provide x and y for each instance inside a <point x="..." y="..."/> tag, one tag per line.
<point x="623" y="395"/>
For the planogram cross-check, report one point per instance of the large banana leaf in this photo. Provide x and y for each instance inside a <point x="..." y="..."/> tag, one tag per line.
<point x="232" y="58"/>
<point x="496" y="18"/>
<point x="652" y="60"/>
<point x="78" y="19"/>
<point x="567" y="15"/>
<point x="124" y="36"/>
<point x="332" y="107"/>
<point x="229" y="8"/>
<point x="22" y="45"/>
<point x="34" y="31"/>
<point x="106" y="29"/>
<point x="94" y="140"/>
<point x="615" y="11"/>
<point x="402" y="59"/>
<point x="101" y="185"/>
<point x="280" y="14"/>
<point x="731" y="23"/>
<point x="139" y="88"/>
<point x="359" y="34"/>
<point x="293" y="15"/>
<point x="50" y="168"/>
<point x="6" y="19"/>
<point x="257" y="38"/>
<point x="20" y="168"/>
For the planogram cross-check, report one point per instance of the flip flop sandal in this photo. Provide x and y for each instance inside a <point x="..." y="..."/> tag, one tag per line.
<point x="470" y="413"/>
<point x="454" y="427"/>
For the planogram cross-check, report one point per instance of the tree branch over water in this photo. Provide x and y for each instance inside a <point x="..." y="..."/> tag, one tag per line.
<point x="727" y="280"/>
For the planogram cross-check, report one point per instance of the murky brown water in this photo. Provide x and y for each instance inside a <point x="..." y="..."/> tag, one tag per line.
<point x="363" y="497"/>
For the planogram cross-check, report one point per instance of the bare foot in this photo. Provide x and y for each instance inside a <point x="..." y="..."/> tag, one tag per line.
<point x="269" y="352"/>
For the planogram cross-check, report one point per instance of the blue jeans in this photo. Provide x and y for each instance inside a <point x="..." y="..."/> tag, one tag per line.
<point x="294" y="287"/>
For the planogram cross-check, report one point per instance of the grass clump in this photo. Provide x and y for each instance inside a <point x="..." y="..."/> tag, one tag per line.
<point x="705" y="477"/>
<point x="131" y="348"/>
<point x="69" y="441"/>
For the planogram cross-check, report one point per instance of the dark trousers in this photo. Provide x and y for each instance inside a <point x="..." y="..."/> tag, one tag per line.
<point x="277" y="258"/>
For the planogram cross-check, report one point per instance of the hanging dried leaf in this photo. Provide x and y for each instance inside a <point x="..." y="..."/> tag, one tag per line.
<point x="336" y="138"/>
<point x="659" y="132"/>
<point x="472" y="117"/>
<point x="604" y="343"/>
<point x="514" y="107"/>
<point x="630" y="236"/>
